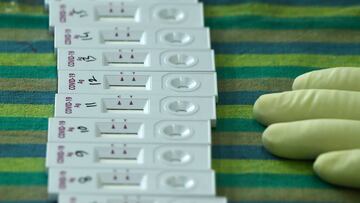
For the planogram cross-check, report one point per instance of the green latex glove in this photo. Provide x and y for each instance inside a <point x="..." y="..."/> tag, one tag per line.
<point x="319" y="120"/>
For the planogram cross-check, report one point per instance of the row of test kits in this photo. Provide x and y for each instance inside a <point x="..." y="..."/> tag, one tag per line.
<point x="136" y="102"/>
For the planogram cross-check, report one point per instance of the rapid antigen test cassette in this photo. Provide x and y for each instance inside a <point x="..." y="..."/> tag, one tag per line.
<point x="144" y="83"/>
<point x="136" y="199"/>
<point x="136" y="60"/>
<point x="123" y="130"/>
<point x="131" y="37"/>
<point x="96" y="13"/>
<point x="141" y="156"/>
<point x="131" y="182"/>
<point x="135" y="106"/>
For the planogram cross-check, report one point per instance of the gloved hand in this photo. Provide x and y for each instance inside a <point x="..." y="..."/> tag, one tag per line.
<point x="319" y="120"/>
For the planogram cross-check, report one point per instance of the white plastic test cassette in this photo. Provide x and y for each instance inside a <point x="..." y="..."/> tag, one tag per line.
<point x="146" y="13"/>
<point x="136" y="59"/>
<point x="131" y="182"/>
<point x="129" y="156"/>
<point x="136" y="199"/>
<point x="132" y="37"/>
<point x="144" y="83"/>
<point x="141" y="131"/>
<point x="112" y="106"/>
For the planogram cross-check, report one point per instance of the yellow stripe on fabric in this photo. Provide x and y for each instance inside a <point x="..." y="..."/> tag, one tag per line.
<point x="25" y="34"/>
<point x="342" y="195"/>
<point x="282" y="11"/>
<point x="306" y="60"/>
<point x="261" y="84"/>
<point x="234" y="111"/>
<point x="16" y="8"/>
<point x="19" y="59"/>
<point x="23" y="137"/>
<point x="264" y="35"/>
<point x="23" y="193"/>
<point x="262" y="166"/>
<point x="26" y="110"/>
<point x="25" y="84"/>
<point x="235" y="138"/>
<point x="225" y="10"/>
<point x="22" y="165"/>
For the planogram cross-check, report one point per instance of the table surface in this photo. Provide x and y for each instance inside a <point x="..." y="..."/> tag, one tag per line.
<point x="261" y="46"/>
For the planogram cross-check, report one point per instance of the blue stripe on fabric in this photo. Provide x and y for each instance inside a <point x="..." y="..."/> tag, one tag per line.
<point x="27" y="46"/>
<point x="22" y="150"/>
<point x="236" y="125"/>
<point x="287" y="2"/>
<point x="284" y="181"/>
<point x="240" y="97"/>
<point x="286" y="48"/>
<point x="241" y="152"/>
<point x="265" y="22"/>
<point x="27" y="97"/>
<point x="262" y="72"/>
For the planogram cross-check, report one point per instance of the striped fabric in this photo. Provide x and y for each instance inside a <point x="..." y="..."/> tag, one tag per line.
<point x="261" y="45"/>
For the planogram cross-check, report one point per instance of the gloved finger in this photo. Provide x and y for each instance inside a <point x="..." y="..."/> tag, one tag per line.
<point x="308" y="139"/>
<point x="332" y="78"/>
<point x="307" y="104"/>
<point x="340" y="167"/>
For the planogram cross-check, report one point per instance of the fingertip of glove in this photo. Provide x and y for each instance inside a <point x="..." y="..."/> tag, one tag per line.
<point x="273" y="140"/>
<point x="320" y="164"/>
<point x="299" y="81"/>
<point x="326" y="167"/>
<point x="259" y="110"/>
<point x="268" y="140"/>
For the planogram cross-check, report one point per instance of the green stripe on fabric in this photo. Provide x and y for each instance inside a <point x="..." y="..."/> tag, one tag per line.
<point x="32" y="72"/>
<point x="15" y="8"/>
<point x="234" y="111"/>
<point x="262" y="84"/>
<point x="262" y="166"/>
<point x="23" y="137"/>
<point x="223" y="180"/>
<point x="323" y="195"/>
<point x="269" y="181"/>
<point x="243" y="72"/>
<point x="235" y="138"/>
<point x="21" y="123"/>
<point x="27" y="59"/>
<point x="233" y="125"/>
<point x="26" y="110"/>
<point x="25" y="193"/>
<point x="24" y="21"/>
<point x="307" y="60"/>
<point x="282" y="11"/>
<point x="25" y="84"/>
<point x="225" y="10"/>
<point x="23" y="179"/>
<point x="25" y="35"/>
<point x="22" y="165"/>
<point x="265" y="35"/>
